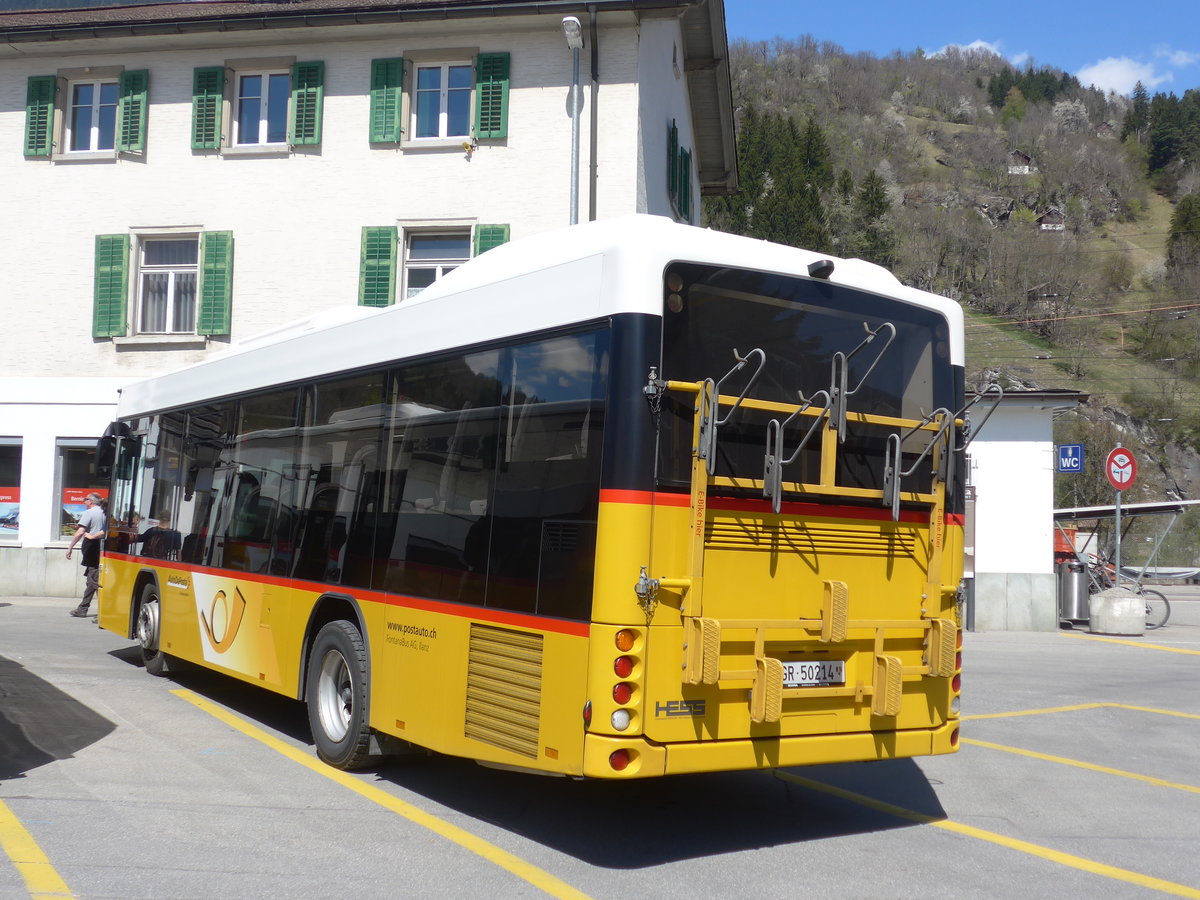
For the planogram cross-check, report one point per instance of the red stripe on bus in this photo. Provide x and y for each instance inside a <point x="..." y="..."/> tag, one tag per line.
<point x="462" y="611"/>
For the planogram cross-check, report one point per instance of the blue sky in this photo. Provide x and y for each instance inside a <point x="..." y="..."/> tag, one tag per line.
<point x="1109" y="44"/>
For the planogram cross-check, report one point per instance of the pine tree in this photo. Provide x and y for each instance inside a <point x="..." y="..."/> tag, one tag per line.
<point x="1183" y="245"/>
<point x="1137" y="117"/>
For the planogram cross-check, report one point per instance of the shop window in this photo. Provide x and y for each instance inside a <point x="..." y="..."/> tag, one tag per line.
<point x="10" y="488"/>
<point x="75" y="478"/>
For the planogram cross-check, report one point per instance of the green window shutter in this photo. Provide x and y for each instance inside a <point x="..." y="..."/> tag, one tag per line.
<point x="491" y="95"/>
<point x="377" y="266"/>
<point x="216" y="283"/>
<point x="489" y="236"/>
<point x="111" y="285"/>
<point x="308" y="95"/>
<point x="685" y="185"/>
<point x="131" y="111"/>
<point x="208" y="96"/>
<point x="387" y="82"/>
<point x="673" y="161"/>
<point x="39" y="115"/>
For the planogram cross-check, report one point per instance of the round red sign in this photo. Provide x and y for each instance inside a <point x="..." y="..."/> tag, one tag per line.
<point x="1121" y="468"/>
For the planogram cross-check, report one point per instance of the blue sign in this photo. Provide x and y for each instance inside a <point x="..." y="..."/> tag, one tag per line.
<point x="1070" y="458"/>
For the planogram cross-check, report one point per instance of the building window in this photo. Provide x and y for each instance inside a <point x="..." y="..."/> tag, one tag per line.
<point x="442" y="100"/>
<point x="92" y="122"/>
<point x="158" y="283"/>
<point x="428" y="255"/>
<point x="168" y="270"/>
<point x="10" y="488"/>
<point x="103" y="113"/>
<point x="262" y="108"/>
<point x="75" y="478"/>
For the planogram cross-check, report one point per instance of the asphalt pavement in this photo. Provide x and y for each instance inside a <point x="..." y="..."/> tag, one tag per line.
<point x="1077" y="777"/>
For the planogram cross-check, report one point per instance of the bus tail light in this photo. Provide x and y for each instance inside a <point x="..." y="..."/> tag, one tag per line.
<point x="625" y="639"/>
<point x="621" y="719"/>
<point x="619" y="759"/>
<point x="622" y="692"/>
<point x="623" y="666"/>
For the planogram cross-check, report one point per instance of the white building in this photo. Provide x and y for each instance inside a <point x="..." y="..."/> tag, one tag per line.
<point x="1012" y="475"/>
<point x="182" y="176"/>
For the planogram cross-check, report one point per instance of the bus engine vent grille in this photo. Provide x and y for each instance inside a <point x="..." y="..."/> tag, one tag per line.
<point x="504" y="688"/>
<point x="802" y="538"/>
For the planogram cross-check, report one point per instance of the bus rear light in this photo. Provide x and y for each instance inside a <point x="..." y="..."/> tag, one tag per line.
<point x="623" y="692"/>
<point x="587" y="715"/>
<point x="625" y="639"/>
<point x="958" y="661"/>
<point x="621" y="719"/>
<point x="956" y="683"/>
<point x="953" y="741"/>
<point x="955" y="706"/>
<point x="620" y="759"/>
<point x="623" y="666"/>
<point x="958" y="640"/>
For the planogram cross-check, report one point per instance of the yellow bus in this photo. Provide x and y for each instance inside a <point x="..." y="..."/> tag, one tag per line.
<point x="626" y="500"/>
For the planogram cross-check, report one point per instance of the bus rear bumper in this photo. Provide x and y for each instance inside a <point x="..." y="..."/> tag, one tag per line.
<point x="646" y="759"/>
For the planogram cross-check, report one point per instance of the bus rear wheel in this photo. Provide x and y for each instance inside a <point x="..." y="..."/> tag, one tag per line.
<point x="149" y="630"/>
<point x="336" y="693"/>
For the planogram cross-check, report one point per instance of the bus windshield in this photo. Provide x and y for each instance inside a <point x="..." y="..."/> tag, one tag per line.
<point x="720" y="314"/>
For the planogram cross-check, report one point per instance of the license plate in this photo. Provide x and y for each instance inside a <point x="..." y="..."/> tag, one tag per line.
<point x="814" y="672"/>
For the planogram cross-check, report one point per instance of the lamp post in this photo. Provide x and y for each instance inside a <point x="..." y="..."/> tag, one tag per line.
<point x="573" y="32"/>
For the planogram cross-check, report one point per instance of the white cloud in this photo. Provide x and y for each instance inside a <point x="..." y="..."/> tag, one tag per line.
<point x="1120" y="74"/>
<point x="1180" y="59"/>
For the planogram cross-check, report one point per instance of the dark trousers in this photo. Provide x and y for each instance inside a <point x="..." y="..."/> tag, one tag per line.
<point x="92" y="576"/>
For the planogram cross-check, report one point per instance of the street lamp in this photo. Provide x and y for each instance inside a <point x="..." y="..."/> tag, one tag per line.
<point x="573" y="32"/>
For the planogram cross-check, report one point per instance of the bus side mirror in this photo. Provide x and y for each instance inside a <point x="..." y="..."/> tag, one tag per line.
<point x="106" y="457"/>
<point x="109" y="453"/>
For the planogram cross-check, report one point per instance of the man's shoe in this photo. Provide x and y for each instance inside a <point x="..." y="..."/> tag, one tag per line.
<point x="79" y="613"/>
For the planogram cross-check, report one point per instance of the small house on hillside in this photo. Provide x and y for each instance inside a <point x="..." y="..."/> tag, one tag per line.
<point x="1106" y="130"/>
<point x="1020" y="163"/>
<point x="1051" y="220"/>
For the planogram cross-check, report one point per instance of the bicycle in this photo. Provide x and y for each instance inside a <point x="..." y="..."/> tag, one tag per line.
<point x="1101" y="576"/>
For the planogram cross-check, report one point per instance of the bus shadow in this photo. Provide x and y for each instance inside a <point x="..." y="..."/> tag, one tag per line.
<point x="636" y="824"/>
<point x="39" y="723"/>
<point x="626" y="824"/>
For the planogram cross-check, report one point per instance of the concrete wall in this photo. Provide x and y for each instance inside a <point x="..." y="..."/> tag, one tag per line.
<point x="1012" y="469"/>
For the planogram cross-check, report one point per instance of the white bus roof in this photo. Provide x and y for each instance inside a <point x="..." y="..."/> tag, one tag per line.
<point x="552" y="279"/>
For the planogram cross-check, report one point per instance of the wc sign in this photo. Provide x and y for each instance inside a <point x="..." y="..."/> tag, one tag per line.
<point x="1070" y="458"/>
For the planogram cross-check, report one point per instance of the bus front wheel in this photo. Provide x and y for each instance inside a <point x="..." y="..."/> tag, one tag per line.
<point x="149" y="631"/>
<point x="336" y="694"/>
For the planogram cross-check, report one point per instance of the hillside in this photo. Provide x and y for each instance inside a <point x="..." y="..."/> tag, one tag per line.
<point x="1050" y="211"/>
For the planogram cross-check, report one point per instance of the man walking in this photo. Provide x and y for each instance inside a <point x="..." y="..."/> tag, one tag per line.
<point x="90" y="529"/>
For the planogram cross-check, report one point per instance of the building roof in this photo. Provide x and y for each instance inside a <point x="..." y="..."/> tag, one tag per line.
<point x="705" y="42"/>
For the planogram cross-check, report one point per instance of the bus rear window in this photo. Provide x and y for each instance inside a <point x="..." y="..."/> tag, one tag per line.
<point x="719" y="314"/>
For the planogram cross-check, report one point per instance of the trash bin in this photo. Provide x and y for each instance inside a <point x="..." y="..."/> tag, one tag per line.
<point x="1072" y="591"/>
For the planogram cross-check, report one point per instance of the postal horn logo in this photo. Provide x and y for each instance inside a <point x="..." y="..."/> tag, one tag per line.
<point x="223" y="619"/>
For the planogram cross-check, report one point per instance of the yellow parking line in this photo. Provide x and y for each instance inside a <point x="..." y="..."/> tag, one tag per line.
<point x="502" y="858"/>
<point x="1160" y="712"/>
<point x="1143" y="644"/>
<point x="18" y="844"/>
<point x="1059" y="709"/>
<point x="1066" y="859"/>
<point x="1035" y="712"/>
<point x="1079" y="764"/>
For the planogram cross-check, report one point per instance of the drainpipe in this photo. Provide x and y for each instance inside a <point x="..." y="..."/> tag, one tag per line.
<point x="595" y="117"/>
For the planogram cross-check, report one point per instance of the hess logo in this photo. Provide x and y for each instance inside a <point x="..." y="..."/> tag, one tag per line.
<point x="223" y="619"/>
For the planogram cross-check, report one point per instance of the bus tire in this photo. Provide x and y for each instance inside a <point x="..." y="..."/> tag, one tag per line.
<point x="336" y="694"/>
<point x="149" y="630"/>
